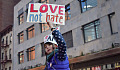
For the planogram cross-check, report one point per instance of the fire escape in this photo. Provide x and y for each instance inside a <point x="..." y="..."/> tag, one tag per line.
<point x="5" y="57"/>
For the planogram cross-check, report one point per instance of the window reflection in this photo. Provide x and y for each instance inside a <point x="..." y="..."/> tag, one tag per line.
<point x="92" y="31"/>
<point x="87" y="4"/>
<point x="67" y="12"/>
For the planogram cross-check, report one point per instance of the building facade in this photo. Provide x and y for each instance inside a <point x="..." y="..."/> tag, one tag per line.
<point x="6" y="48"/>
<point x="92" y="32"/>
<point x="6" y="12"/>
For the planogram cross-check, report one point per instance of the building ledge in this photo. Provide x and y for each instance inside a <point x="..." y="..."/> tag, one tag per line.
<point x="38" y="68"/>
<point x="99" y="55"/>
<point x="2" y="46"/>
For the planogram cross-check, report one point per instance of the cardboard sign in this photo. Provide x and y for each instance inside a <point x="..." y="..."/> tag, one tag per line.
<point x="49" y="38"/>
<point x="41" y="13"/>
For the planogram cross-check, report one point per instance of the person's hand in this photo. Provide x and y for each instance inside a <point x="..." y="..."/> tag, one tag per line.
<point x="50" y="24"/>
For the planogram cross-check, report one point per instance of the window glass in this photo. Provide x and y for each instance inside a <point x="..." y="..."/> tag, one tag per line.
<point x="87" y="4"/>
<point x="45" y="27"/>
<point x="68" y="38"/>
<point x="31" y="32"/>
<point x="31" y="53"/>
<point x="92" y="31"/>
<point x="21" y="57"/>
<point x="43" y="49"/>
<point x="21" y="18"/>
<point x="21" y="37"/>
<point x="67" y="12"/>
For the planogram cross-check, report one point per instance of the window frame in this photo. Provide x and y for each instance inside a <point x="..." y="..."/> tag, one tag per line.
<point x="19" y="37"/>
<point x="10" y="68"/>
<point x="42" y="49"/>
<point x="44" y="27"/>
<point x="10" y="38"/>
<point x="110" y="22"/>
<point x="66" y="11"/>
<point x="29" y="53"/>
<point x="19" y="56"/>
<point x="2" y="43"/>
<point x="94" y="27"/>
<point x="21" y="17"/>
<point x="86" y="9"/>
<point x="2" y="56"/>
<point x="32" y="29"/>
<point x="65" y="35"/>
<point x="6" y="40"/>
<point x="9" y="53"/>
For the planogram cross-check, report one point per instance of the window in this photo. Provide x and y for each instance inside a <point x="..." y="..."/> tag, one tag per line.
<point x="10" y="38"/>
<point x="26" y="13"/>
<point x="43" y="1"/>
<point x="68" y="38"/>
<point x="43" y="49"/>
<point x="27" y="6"/>
<point x="21" y="57"/>
<point x="5" y="54"/>
<point x="113" y="24"/>
<point x="20" y="16"/>
<point x="92" y="31"/>
<point x="21" y="37"/>
<point x="31" y="53"/>
<point x="31" y="32"/>
<point x="67" y="12"/>
<point x="44" y="27"/>
<point x="2" y="42"/>
<point x="6" y="40"/>
<point x="10" y="54"/>
<point x="2" y="56"/>
<point x="87" y="4"/>
<point x="9" y="68"/>
<point x="112" y="65"/>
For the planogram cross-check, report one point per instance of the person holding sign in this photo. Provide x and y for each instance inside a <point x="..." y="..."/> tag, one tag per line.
<point x="56" y="58"/>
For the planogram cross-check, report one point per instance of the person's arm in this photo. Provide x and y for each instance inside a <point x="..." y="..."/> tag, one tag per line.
<point x="60" y="41"/>
<point x="61" y="45"/>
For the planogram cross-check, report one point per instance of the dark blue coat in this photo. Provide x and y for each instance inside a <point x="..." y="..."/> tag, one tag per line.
<point x="60" y="60"/>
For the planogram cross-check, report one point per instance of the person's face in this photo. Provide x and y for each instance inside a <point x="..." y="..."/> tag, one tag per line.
<point x="48" y="48"/>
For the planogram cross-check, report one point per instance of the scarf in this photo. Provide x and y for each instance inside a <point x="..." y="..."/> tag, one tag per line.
<point x="49" y="56"/>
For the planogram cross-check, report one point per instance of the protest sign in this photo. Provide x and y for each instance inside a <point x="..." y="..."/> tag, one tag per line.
<point x="41" y="13"/>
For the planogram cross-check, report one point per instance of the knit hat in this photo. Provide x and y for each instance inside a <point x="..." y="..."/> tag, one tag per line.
<point x="49" y="38"/>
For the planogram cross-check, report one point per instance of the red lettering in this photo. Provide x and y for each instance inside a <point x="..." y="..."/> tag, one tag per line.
<point x="61" y="10"/>
<point x="53" y="11"/>
<point x="41" y="8"/>
<point x="46" y="37"/>
<point x="32" y="8"/>
<point x="47" y="17"/>
<point x="56" y="17"/>
<point x="60" y="19"/>
<point x="52" y="18"/>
